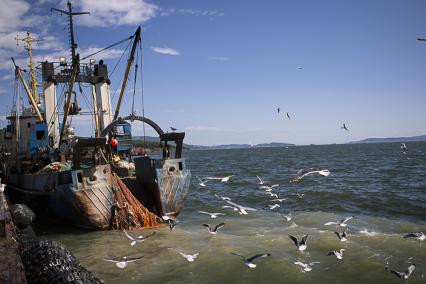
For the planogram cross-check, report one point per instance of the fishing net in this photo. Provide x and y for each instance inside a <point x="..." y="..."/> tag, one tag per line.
<point x="129" y="212"/>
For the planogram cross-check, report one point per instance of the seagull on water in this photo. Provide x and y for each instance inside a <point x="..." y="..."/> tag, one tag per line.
<point x="249" y="260"/>
<point x="344" y="127"/>
<point x="306" y="267"/>
<point x="202" y="183"/>
<point x="341" y="223"/>
<point x="341" y="236"/>
<point x="304" y="172"/>
<point x="171" y="220"/>
<point x="137" y="239"/>
<point x="338" y="254"/>
<point x="214" y="230"/>
<point x="212" y="215"/>
<point x="123" y="261"/>
<point x="403" y="275"/>
<point x="241" y="209"/>
<point x="268" y="188"/>
<point x="287" y="216"/>
<point x="301" y="245"/>
<point x="300" y="195"/>
<point x="189" y="257"/>
<point x="420" y="236"/>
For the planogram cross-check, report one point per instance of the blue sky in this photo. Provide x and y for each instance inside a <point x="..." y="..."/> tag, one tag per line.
<point x="219" y="69"/>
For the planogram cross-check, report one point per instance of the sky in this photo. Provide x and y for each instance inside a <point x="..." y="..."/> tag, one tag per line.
<point x="219" y="70"/>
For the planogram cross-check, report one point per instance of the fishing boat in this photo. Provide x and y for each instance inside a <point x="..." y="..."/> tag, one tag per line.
<point x="92" y="182"/>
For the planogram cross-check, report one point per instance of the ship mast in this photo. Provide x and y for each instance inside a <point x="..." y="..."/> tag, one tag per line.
<point x="70" y="14"/>
<point x="75" y="63"/>
<point x="28" y="40"/>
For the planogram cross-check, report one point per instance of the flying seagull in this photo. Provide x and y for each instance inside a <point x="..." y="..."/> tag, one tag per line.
<point x="222" y="197"/>
<point x="202" y="183"/>
<point x="273" y="206"/>
<point x="137" y="239"/>
<point x="403" y="275"/>
<point x="301" y="245"/>
<point x="260" y="180"/>
<point x="338" y="254"/>
<point x="189" y="257"/>
<point x="214" y="230"/>
<point x="341" y="223"/>
<point x="123" y="261"/>
<point x="287" y="216"/>
<point x="278" y="199"/>
<point x="268" y="188"/>
<point x="173" y="128"/>
<point x="304" y="172"/>
<point x="420" y="236"/>
<point x="212" y="215"/>
<point x="171" y="220"/>
<point x="344" y="127"/>
<point x="249" y="260"/>
<point x="403" y="148"/>
<point x="341" y="236"/>
<point x="272" y="194"/>
<point x="306" y="267"/>
<point x="288" y="116"/>
<point x="222" y="179"/>
<point x="242" y="209"/>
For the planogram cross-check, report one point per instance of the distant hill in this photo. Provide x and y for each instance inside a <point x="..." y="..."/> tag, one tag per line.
<point x="238" y="146"/>
<point x="393" y="139"/>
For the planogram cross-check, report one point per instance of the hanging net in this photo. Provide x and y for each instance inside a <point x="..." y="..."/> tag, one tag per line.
<point x="129" y="212"/>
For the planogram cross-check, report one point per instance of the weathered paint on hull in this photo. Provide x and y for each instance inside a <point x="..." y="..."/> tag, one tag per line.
<point x="174" y="181"/>
<point x="86" y="201"/>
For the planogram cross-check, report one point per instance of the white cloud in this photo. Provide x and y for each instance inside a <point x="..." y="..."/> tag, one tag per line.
<point x="165" y="50"/>
<point x="208" y="13"/>
<point x="17" y="14"/>
<point x="115" y="12"/>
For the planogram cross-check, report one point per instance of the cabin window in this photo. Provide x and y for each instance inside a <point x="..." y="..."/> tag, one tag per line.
<point x="119" y="130"/>
<point x="127" y="129"/>
<point x="40" y="134"/>
<point x="180" y="166"/>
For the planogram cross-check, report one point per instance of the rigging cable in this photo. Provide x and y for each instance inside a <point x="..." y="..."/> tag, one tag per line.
<point x="121" y="81"/>
<point x="109" y="46"/>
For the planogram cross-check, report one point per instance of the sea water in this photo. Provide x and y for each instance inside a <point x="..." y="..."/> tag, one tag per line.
<point x="383" y="188"/>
